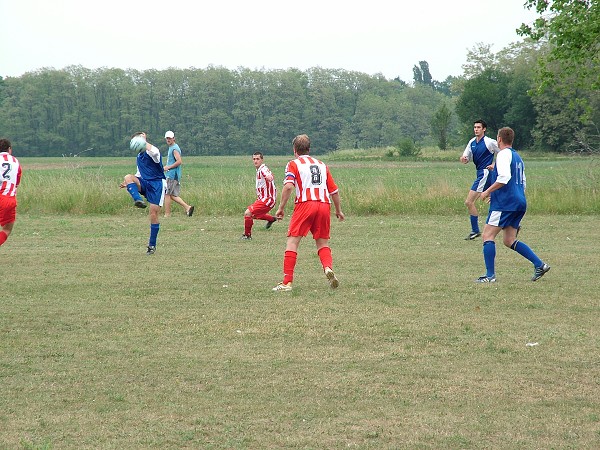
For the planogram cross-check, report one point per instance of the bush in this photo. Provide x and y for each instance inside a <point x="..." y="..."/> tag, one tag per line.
<point x="407" y="147"/>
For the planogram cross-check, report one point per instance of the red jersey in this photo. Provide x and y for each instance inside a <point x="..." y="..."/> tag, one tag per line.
<point x="312" y="179"/>
<point x="265" y="186"/>
<point x="10" y="174"/>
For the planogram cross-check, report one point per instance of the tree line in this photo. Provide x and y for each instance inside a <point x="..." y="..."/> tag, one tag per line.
<point x="213" y="111"/>
<point x="217" y="111"/>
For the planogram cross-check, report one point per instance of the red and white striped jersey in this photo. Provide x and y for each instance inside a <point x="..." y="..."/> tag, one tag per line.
<point x="312" y="179"/>
<point x="265" y="186"/>
<point x="10" y="174"/>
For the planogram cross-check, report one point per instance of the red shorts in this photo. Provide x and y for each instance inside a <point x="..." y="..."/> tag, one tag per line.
<point x="259" y="208"/>
<point x="8" y="209"/>
<point x="311" y="216"/>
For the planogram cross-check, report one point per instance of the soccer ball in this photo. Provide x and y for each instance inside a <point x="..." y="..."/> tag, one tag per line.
<point x="138" y="143"/>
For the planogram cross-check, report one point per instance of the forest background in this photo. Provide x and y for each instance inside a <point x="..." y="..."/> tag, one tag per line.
<point x="546" y="88"/>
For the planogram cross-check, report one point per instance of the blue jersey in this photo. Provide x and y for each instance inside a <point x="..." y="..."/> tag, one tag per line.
<point x="149" y="165"/>
<point x="174" y="174"/>
<point x="510" y="171"/>
<point x="482" y="152"/>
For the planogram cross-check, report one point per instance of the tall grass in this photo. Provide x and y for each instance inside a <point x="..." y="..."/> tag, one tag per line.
<point x="368" y="184"/>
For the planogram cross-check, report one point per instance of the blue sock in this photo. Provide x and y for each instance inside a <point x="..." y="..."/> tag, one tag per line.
<point x="133" y="191"/>
<point x="154" y="228"/>
<point x="475" y="224"/>
<point x="523" y="249"/>
<point x="489" y="255"/>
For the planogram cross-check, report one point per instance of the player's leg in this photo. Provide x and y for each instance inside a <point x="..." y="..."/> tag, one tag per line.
<point x="490" y="231"/>
<point x="300" y="224"/>
<point x="168" y="205"/>
<point x="155" y="193"/>
<point x="472" y="197"/>
<point x="321" y="231"/>
<point x="133" y="185"/>
<point x="154" y="227"/>
<point x="5" y="232"/>
<point x="510" y="240"/>
<point x="248" y="223"/>
<point x="174" y="191"/>
<point x="261" y="212"/>
<point x="8" y="215"/>
<point x="183" y="204"/>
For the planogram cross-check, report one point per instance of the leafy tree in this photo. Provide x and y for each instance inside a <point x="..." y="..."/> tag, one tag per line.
<point x="421" y="74"/>
<point x="479" y="59"/>
<point x="484" y="97"/>
<point x="572" y="29"/>
<point x="440" y="125"/>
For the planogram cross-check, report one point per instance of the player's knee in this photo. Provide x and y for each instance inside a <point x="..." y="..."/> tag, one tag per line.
<point x="247" y="213"/>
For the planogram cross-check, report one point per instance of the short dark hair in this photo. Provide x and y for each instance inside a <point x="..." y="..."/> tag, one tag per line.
<point x="301" y="144"/>
<point x="4" y="145"/>
<point x="482" y="122"/>
<point x="507" y="135"/>
<point x="258" y="154"/>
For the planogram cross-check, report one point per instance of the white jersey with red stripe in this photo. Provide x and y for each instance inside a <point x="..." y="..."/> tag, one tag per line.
<point x="312" y="179"/>
<point x="265" y="186"/>
<point x="10" y="174"/>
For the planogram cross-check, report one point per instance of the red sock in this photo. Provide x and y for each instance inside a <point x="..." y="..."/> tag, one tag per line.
<point x="325" y="257"/>
<point x="3" y="237"/>
<point x="248" y="222"/>
<point x="289" y="263"/>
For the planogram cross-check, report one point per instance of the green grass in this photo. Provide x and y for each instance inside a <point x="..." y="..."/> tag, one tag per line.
<point x="375" y="185"/>
<point x="104" y="347"/>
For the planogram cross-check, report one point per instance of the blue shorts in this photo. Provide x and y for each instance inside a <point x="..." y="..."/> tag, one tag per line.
<point x="482" y="182"/>
<point x="505" y="219"/>
<point x="153" y="190"/>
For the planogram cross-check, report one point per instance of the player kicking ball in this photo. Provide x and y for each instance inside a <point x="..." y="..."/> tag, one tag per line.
<point x="148" y="181"/>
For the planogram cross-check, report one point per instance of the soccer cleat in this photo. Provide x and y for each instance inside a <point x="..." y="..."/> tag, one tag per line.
<point x="246" y="237"/>
<point x="190" y="212"/>
<point x="140" y="204"/>
<point x="333" y="281"/>
<point x="270" y="223"/>
<point x="283" y="287"/>
<point x="540" y="271"/>
<point x="486" y="279"/>
<point x="472" y="235"/>
<point x="151" y="250"/>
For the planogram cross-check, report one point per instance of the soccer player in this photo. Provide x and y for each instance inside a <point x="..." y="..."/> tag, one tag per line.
<point x="150" y="182"/>
<point x="315" y="189"/>
<point x="10" y="178"/>
<point x="173" y="174"/>
<point x="507" y="208"/>
<point x="266" y="196"/>
<point x="481" y="150"/>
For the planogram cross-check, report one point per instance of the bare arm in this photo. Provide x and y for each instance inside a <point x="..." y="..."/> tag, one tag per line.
<point x="177" y="163"/>
<point x="338" y="209"/>
<point x="285" y="196"/>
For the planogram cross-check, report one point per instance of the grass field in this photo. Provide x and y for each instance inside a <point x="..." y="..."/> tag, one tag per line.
<point x="224" y="185"/>
<point x="104" y="347"/>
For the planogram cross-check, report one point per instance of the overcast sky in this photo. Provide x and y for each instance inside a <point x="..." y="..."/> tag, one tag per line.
<point x="375" y="36"/>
